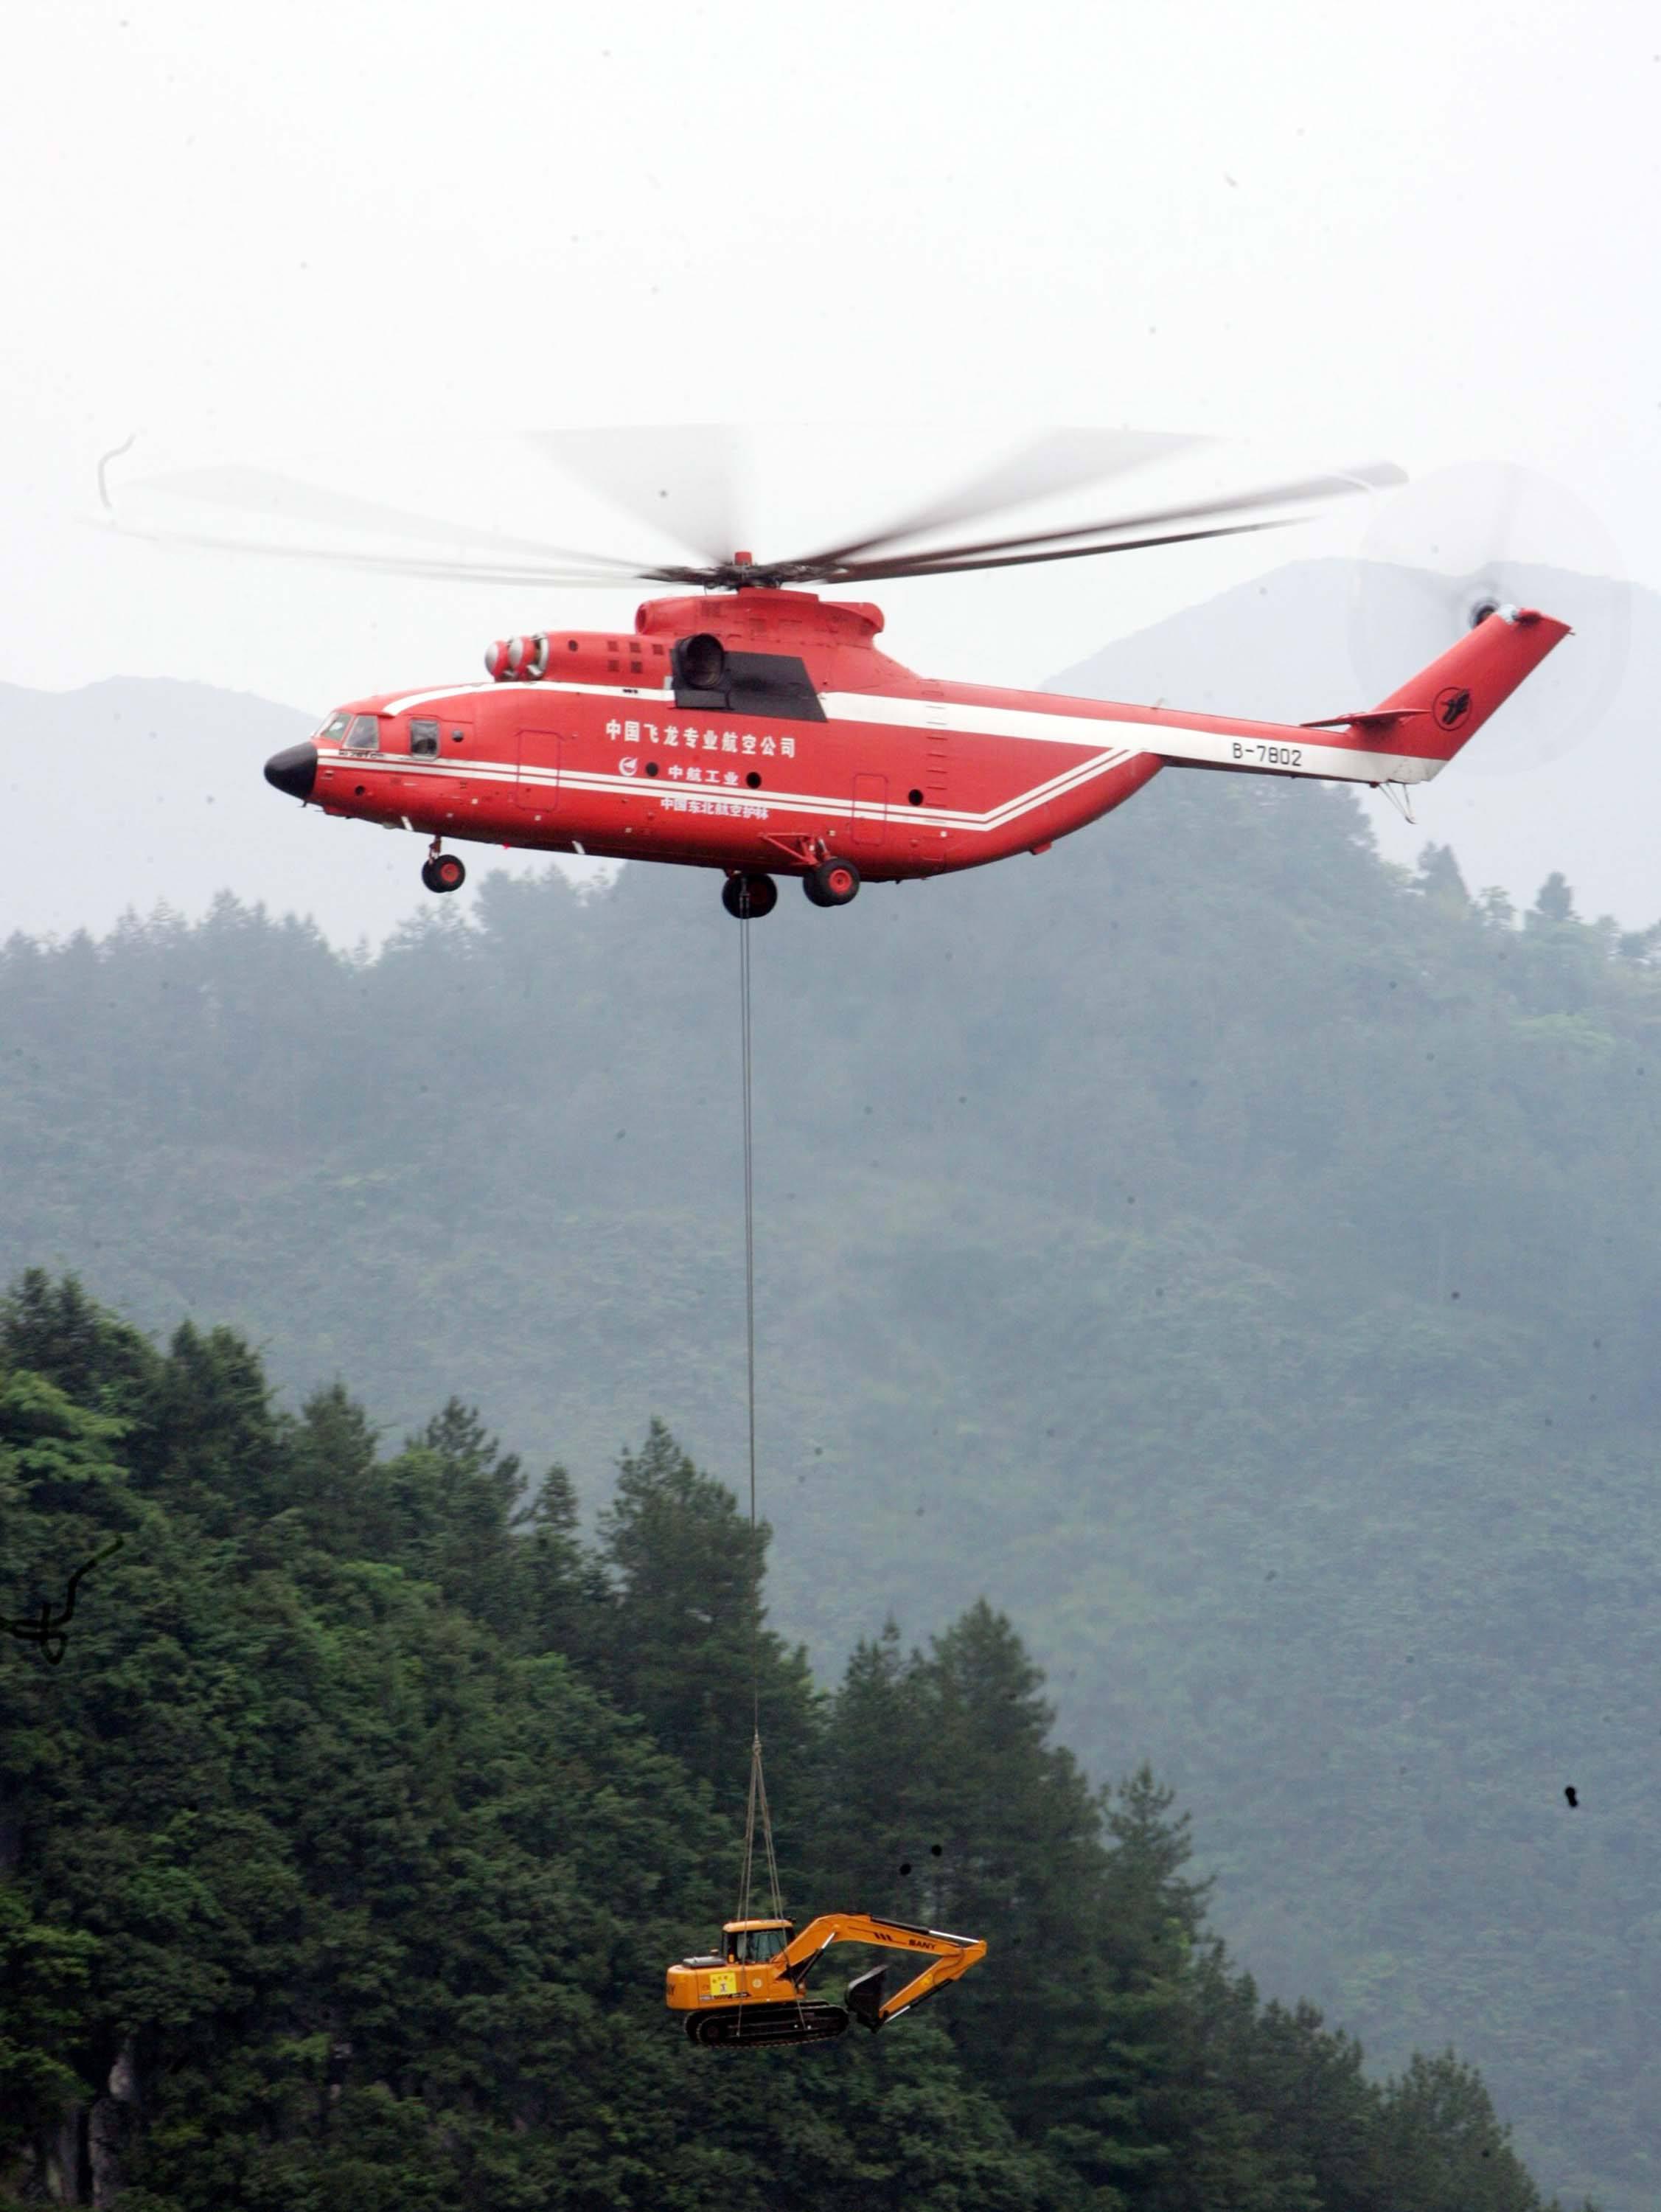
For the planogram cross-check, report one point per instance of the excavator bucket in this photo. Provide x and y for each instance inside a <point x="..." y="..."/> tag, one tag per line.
<point x="865" y="1997"/>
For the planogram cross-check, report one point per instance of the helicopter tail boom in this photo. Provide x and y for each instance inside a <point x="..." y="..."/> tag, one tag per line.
<point x="1407" y="738"/>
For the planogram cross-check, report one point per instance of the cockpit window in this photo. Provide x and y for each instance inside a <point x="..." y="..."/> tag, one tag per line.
<point x="751" y="1945"/>
<point x="335" y="728"/>
<point x="364" y="736"/>
<point x="423" y="737"/>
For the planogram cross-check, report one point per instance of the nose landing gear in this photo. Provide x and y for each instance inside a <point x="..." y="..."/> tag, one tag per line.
<point x="442" y="872"/>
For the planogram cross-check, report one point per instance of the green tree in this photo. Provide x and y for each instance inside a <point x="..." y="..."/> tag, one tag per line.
<point x="1318" y="2108"/>
<point x="44" y="1973"/>
<point x="878" y="1817"/>
<point x="455" y="1494"/>
<point x="1021" y="1859"/>
<point x="1439" y="879"/>
<point x="567" y="1596"/>
<point x="1553" y="902"/>
<point x="53" y="1328"/>
<point x="210" y="1439"/>
<point x="688" y="1645"/>
<point x="1443" y="2147"/>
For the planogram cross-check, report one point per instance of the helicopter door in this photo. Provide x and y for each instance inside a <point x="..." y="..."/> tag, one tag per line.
<point x="537" y="784"/>
<point x="869" y="823"/>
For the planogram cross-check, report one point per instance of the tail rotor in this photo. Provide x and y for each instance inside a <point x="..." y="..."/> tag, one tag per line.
<point x="1456" y="547"/>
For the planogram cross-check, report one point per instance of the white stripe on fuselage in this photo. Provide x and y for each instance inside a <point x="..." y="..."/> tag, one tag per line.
<point x="817" y="804"/>
<point x="1178" y="742"/>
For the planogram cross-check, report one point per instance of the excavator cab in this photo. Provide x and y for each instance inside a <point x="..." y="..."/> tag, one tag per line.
<point x="752" y="1943"/>
<point x="754" y="1990"/>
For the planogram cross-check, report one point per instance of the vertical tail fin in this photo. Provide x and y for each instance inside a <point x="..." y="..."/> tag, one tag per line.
<point x="1452" y="699"/>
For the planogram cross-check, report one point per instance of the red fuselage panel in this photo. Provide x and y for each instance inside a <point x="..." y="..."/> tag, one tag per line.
<point x="891" y="782"/>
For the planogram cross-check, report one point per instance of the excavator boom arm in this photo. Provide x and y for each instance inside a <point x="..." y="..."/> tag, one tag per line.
<point x="950" y="1955"/>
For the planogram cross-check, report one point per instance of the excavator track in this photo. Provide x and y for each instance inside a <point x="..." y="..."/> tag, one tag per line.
<point x="802" y="2021"/>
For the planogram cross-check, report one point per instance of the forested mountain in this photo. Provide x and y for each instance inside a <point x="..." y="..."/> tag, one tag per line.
<point x="342" y="1851"/>
<point x="1238" y="1262"/>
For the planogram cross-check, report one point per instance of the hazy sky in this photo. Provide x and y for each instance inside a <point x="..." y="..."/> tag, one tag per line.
<point x="372" y="246"/>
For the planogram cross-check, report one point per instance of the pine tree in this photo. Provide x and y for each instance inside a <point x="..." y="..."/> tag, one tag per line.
<point x="688" y="1642"/>
<point x="54" y="1329"/>
<point x="331" y="1484"/>
<point x="567" y="1600"/>
<point x="878" y="1821"/>
<point x="210" y="1443"/>
<point x="1320" y="2109"/>
<point x="1438" y="879"/>
<point x="1153" y="1913"/>
<point x="1553" y="902"/>
<point x="1146" y="2082"/>
<point x="455" y="1494"/>
<point x="1443" y="2149"/>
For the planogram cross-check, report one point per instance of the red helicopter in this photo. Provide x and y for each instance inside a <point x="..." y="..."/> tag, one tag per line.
<point x="756" y="728"/>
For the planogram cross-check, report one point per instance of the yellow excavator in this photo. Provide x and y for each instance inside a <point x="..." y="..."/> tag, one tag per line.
<point x="754" y="1990"/>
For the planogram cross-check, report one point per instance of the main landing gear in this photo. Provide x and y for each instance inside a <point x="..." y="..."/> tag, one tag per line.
<point x="832" y="883"/>
<point x="747" y="898"/>
<point x="442" y="872"/>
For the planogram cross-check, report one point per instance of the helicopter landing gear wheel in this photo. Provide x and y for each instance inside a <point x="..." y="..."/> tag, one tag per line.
<point x="832" y="883"/>
<point x="747" y="898"/>
<point x="443" y="872"/>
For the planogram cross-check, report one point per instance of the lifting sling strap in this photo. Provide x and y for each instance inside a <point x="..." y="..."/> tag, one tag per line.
<point x="757" y="1805"/>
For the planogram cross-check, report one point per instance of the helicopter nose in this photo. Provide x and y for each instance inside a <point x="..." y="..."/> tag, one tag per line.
<point x="294" y="770"/>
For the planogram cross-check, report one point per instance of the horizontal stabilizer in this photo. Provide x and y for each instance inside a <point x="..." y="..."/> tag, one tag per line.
<point x="1374" y="718"/>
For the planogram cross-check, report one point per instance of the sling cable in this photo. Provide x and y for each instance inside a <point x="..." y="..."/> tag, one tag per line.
<point x="753" y="1990"/>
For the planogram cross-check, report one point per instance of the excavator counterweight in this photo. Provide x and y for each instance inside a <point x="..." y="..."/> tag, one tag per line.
<point x="754" y="1990"/>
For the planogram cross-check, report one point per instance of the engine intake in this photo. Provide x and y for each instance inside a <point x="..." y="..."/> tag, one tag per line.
<point x="630" y="662"/>
<point x="700" y="663"/>
<point x="525" y="658"/>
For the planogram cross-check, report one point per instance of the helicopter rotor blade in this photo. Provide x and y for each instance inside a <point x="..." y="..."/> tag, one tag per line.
<point x="451" y="569"/>
<point x="690" y="472"/>
<point x="683" y="479"/>
<point x="1063" y="461"/>
<point x="858" y="572"/>
<point x="1057" y="544"/>
<point x="265" y="492"/>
